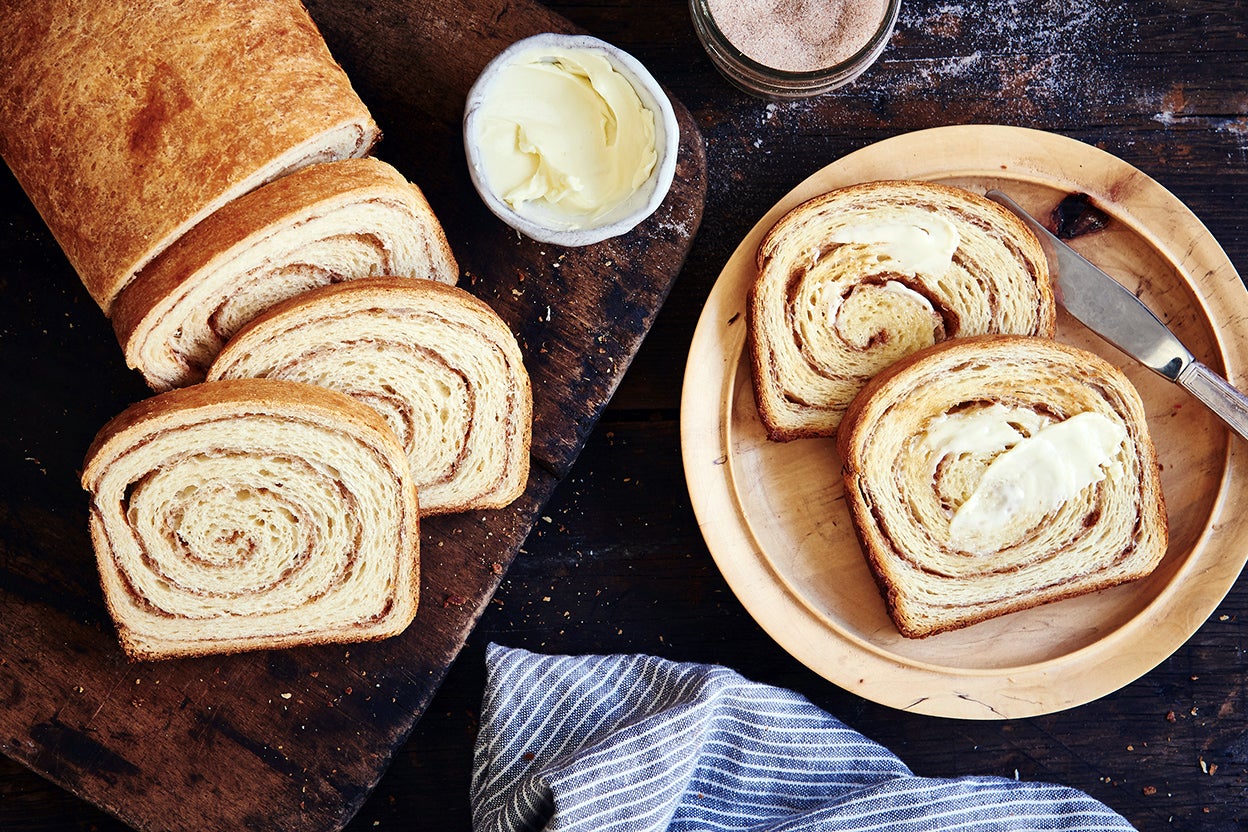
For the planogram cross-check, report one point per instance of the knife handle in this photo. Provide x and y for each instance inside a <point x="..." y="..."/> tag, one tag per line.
<point x="1217" y="394"/>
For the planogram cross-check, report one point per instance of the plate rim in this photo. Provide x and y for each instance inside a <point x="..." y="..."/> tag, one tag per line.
<point x="844" y="659"/>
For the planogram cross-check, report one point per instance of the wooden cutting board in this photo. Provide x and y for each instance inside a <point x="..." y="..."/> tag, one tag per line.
<point x="293" y="739"/>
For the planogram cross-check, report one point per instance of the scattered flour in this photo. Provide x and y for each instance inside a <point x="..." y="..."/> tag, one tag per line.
<point x="1036" y="51"/>
<point x="1022" y="57"/>
<point x="1021" y="60"/>
<point x="1033" y="26"/>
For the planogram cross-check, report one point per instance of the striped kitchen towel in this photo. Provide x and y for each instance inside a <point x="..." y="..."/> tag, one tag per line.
<point x="632" y="743"/>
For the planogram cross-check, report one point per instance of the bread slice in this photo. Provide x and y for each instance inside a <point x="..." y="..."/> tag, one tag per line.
<point x="857" y="278"/>
<point x="326" y="223"/>
<point x="954" y="460"/>
<point x="440" y="364"/>
<point x="127" y="123"/>
<point x="254" y="514"/>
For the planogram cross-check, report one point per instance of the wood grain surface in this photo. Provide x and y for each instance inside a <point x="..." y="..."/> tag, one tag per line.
<point x="296" y="739"/>
<point x="616" y="561"/>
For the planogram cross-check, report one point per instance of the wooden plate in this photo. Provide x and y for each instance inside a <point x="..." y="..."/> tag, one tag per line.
<point x="773" y="514"/>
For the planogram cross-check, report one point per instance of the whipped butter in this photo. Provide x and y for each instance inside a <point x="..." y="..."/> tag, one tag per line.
<point x="564" y="137"/>
<point x="1030" y="477"/>
<point x="923" y="245"/>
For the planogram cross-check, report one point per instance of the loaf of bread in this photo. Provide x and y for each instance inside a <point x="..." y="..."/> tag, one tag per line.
<point x="252" y="514"/>
<point x="129" y="121"/>
<point x="437" y="362"/>
<point x="992" y="474"/>
<point x="857" y="278"/>
<point x="325" y="223"/>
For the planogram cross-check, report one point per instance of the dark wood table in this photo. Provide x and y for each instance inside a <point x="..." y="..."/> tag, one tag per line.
<point x="617" y="563"/>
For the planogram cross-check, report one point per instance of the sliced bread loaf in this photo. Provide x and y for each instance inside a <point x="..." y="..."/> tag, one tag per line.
<point x="127" y="123"/>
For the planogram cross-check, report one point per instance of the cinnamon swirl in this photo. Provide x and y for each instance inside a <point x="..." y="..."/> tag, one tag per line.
<point x="992" y="474"/>
<point x="857" y="278"/>
<point x="251" y="514"/>
<point x="326" y="223"/>
<point x="437" y="362"/>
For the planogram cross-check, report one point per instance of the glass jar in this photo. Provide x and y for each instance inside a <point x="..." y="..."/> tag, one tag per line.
<point x="765" y="81"/>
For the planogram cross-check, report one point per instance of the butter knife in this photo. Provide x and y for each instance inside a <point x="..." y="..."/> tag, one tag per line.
<point x="1113" y="312"/>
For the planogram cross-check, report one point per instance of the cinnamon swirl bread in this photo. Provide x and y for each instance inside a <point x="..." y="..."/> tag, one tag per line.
<point x="325" y="223"/>
<point x="437" y="362"/>
<point x="251" y="514"/>
<point x="992" y="474"/>
<point x="128" y="121"/>
<point x="857" y="278"/>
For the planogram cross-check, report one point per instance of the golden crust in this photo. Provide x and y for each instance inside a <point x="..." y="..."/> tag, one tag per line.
<point x="128" y="122"/>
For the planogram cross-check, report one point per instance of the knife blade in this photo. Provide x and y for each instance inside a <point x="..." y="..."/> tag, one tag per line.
<point x="1113" y="312"/>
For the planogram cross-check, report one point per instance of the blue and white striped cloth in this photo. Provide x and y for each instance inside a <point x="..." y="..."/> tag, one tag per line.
<point x="632" y="743"/>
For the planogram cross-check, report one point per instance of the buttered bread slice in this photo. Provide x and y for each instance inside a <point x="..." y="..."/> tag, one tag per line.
<point x="253" y="514"/>
<point x="996" y="473"/>
<point x="856" y="279"/>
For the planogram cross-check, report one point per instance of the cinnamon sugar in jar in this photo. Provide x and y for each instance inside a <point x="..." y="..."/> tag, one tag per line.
<point x="793" y="48"/>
